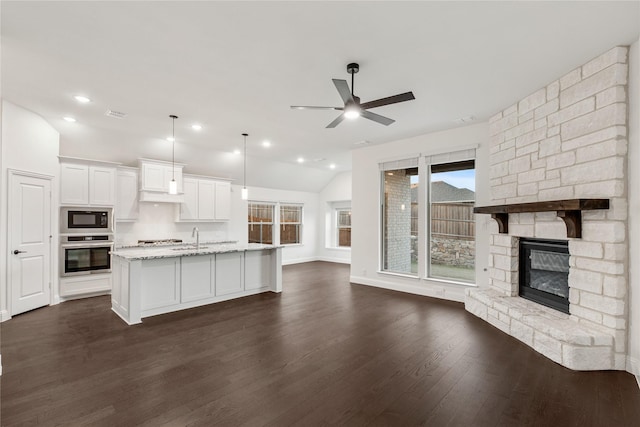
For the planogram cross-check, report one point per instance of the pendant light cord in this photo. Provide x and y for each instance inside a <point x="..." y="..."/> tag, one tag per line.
<point x="173" y="150"/>
<point x="244" y="167"/>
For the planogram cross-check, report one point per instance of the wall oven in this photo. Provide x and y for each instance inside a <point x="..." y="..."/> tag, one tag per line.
<point x="81" y="255"/>
<point x="83" y="220"/>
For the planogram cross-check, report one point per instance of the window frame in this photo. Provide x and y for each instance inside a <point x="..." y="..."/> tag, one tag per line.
<point x="261" y="223"/>
<point x="282" y="224"/>
<point x="338" y="227"/>
<point x="426" y="221"/>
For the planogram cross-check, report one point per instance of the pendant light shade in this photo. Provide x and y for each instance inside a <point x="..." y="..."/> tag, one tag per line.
<point x="245" y="193"/>
<point x="173" y="185"/>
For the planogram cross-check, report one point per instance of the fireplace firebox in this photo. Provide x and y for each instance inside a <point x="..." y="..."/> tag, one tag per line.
<point x="544" y="272"/>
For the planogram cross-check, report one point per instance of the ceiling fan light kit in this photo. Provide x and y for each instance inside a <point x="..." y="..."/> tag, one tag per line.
<point x="352" y="107"/>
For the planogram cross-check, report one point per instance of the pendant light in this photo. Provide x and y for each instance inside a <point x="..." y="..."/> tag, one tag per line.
<point x="245" y="193"/>
<point x="173" y="185"/>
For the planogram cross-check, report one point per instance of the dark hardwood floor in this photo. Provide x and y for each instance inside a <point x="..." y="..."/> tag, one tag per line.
<point x="323" y="352"/>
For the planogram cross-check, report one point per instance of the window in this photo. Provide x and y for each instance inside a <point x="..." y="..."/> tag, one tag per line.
<point x="343" y="225"/>
<point x="260" y="223"/>
<point x="290" y="224"/>
<point x="400" y="186"/>
<point x="452" y="224"/>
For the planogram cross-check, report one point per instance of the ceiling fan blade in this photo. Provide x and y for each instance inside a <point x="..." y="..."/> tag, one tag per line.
<point x="309" y="107"/>
<point x="376" y="117"/>
<point x="343" y="90"/>
<point x="408" y="96"/>
<point x="336" y="122"/>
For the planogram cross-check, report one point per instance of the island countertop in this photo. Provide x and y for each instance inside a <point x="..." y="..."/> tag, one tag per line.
<point x="138" y="253"/>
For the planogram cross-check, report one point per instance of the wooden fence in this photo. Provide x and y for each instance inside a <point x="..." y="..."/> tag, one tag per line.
<point x="448" y="219"/>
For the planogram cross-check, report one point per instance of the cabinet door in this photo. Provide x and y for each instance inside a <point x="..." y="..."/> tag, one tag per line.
<point x="102" y="183"/>
<point x="197" y="278"/>
<point x="229" y="273"/>
<point x="127" y="195"/>
<point x="74" y="184"/>
<point x="189" y="209"/>
<point x="154" y="177"/>
<point x="160" y="283"/>
<point x="257" y="269"/>
<point x="223" y="201"/>
<point x="206" y="199"/>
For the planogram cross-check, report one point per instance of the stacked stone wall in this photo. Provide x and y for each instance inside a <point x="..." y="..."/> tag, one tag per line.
<point x="568" y="140"/>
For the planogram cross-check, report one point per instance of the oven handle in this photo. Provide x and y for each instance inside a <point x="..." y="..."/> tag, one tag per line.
<point x="84" y="245"/>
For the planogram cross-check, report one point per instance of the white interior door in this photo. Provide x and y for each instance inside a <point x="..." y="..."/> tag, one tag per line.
<point x="29" y="243"/>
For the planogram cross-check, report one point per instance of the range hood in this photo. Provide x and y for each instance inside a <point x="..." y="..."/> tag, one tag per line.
<point x="160" y="197"/>
<point x="154" y="181"/>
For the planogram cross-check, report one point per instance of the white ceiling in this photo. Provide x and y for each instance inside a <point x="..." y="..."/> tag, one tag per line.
<point x="236" y="67"/>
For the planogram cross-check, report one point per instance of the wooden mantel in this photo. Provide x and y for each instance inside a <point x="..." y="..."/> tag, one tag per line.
<point x="570" y="211"/>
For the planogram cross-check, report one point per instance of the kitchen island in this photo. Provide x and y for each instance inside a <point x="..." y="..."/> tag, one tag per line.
<point x="152" y="281"/>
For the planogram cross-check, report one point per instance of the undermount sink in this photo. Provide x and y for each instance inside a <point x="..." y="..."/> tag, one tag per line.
<point x="189" y="248"/>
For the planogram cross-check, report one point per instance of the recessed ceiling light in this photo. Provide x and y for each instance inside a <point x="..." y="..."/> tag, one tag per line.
<point x="332" y="166"/>
<point x="196" y="126"/>
<point x="236" y="151"/>
<point x="82" y="99"/>
<point x="266" y="143"/>
<point x="170" y="139"/>
<point x="300" y="159"/>
<point x="69" y="119"/>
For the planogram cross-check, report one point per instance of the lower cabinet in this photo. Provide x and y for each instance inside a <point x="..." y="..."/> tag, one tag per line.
<point x="198" y="278"/>
<point x="82" y="285"/>
<point x="160" y="283"/>
<point x="257" y="269"/>
<point x="147" y="287"/>
<point x="229" y="273"/>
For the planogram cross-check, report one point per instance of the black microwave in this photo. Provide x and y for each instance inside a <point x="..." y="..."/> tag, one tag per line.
<point x="79" y="220"/>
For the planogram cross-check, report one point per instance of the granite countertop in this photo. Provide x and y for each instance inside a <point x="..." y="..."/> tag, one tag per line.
<point x="155" y="252"/>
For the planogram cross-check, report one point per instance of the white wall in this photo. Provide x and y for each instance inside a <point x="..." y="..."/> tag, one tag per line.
<point x="336" y="194"/>
<point x="29" y="144"/>
<point x="633" y="359"/>
<point x="365" y="206"/>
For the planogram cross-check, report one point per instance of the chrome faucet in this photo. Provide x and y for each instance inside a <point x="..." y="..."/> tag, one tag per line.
<point x="196" y="233"/>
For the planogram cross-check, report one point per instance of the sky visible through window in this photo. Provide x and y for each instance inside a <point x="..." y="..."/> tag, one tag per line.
<point x="461" y="179"/>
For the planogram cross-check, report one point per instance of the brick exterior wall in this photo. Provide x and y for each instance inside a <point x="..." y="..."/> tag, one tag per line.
<point x="397" y="188"/>
<point x="568" y="140"/>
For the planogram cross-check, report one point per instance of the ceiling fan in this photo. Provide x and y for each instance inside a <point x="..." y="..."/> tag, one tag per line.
<point x="352" y="106"/>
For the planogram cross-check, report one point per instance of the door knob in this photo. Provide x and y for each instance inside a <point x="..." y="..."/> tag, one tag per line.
<point x="16" y="252"/>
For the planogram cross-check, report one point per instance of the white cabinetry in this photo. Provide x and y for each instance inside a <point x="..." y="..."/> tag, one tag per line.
<point x="229" y="273"/>
<point x="205" y="200"/>
<point x="160" y="285"/>
<point x="71" y="287"/>
<point x="126" y="194"/>
<point x="223" y="201"/>
<point x="74" y="184"/>
<point x="155" y="176"/>
<point x="87" y="182"/>
<point x="198" y="278"/>
<point x="146" y="287"/>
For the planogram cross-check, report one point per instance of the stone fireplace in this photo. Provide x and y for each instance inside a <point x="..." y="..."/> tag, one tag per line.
<point x="566" y="141"/>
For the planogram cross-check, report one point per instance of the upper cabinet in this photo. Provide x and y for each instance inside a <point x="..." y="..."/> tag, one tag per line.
<point x="86" y="182"/>
<point x="205" y="200"/>
<point x="126" y="194"/>
<point x="155" y="176"/>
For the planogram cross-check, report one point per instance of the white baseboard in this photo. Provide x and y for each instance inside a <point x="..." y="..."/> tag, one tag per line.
<point x="4" y="315"/>
<point x="336" y="260"/>
<point x="298" y="260"/>
<point x="419" y="288"/>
